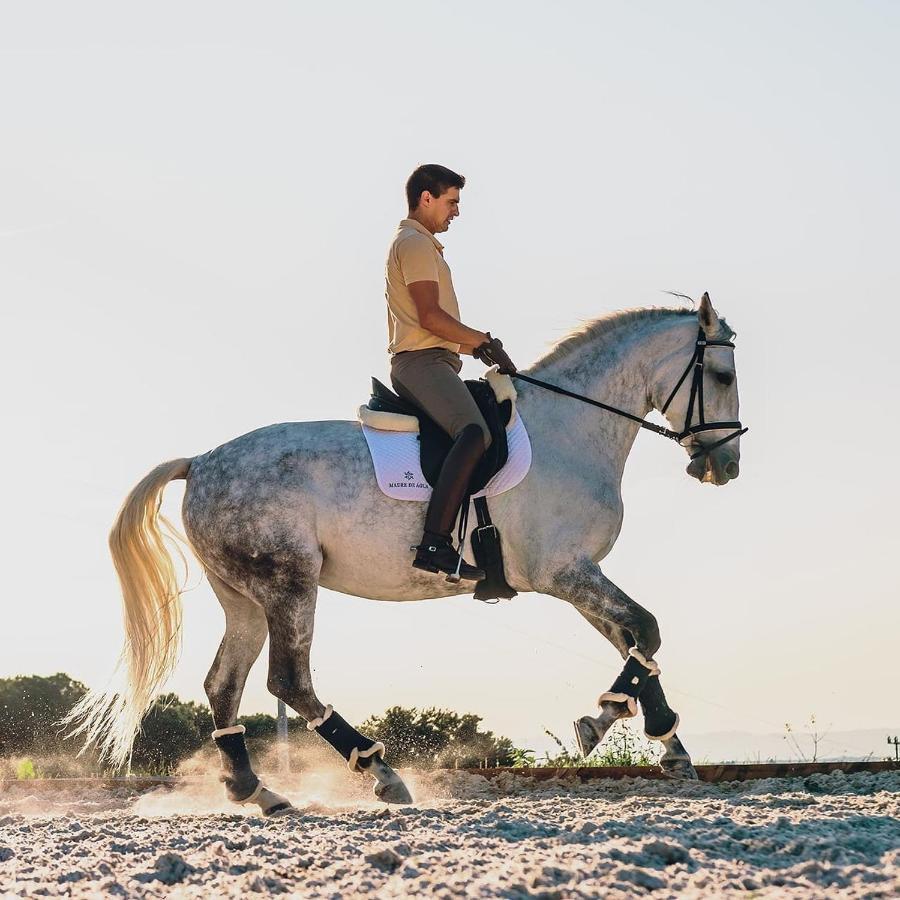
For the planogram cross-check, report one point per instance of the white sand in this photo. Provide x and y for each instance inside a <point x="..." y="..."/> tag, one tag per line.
<point x="835" y="836"/>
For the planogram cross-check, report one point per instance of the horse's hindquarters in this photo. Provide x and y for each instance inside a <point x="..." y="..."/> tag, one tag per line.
<point x="257" y="506"/>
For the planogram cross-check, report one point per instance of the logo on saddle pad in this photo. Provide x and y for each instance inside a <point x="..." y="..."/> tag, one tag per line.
<point x="410" y="482"/>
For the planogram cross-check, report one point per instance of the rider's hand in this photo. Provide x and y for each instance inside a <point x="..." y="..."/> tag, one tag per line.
<point x="491" y="353"/>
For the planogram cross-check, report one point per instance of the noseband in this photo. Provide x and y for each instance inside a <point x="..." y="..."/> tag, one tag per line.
<point x="696" y="399"/>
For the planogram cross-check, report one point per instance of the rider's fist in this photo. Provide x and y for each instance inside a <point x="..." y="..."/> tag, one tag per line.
<point x="491" y="353"/>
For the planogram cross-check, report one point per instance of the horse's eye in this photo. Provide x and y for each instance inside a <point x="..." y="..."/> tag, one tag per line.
<point x="724" y="377"/>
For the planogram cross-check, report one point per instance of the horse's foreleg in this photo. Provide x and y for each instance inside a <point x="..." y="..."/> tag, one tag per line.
<point x="590" y="730"/>
<point x="635" y="634"/>
<point x="245" y="633"/>
<point x="290" y="679"/>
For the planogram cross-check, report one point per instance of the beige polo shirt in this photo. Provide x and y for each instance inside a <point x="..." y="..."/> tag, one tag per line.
<point x="415" y="255"/>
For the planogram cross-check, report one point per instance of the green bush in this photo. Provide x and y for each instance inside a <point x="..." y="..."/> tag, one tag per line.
<point x="33" y="744"/>
<point x="171" y="731"/>
<point x="432" y="737"/>
<point x="621" y="747"/>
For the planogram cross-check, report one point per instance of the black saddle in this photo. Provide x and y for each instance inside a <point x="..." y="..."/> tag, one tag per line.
<point x="435" y="443"/>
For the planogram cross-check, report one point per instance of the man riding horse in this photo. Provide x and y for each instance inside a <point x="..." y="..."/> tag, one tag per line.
<point x="279" y="512"/>
<point x="426" y="339"/>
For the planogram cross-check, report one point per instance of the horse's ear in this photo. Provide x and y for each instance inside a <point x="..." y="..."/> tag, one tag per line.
<point x="709" y="318"/>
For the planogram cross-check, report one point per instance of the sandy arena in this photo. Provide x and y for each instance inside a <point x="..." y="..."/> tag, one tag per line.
<point x="825" y="835"/>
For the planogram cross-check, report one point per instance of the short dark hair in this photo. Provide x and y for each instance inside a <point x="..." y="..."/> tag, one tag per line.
<point x="432" y="178"/>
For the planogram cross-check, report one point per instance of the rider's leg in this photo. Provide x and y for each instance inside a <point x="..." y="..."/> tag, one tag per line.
<point x="435" y="553"/>
<point x="429" y="378"/>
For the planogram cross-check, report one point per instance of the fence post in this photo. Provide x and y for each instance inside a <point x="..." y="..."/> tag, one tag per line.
<point x="284" y="756"/>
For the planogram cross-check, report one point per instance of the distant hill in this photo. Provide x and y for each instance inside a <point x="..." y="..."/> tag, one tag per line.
<point x="745" y="746"/>
<point x="740" y="746"/>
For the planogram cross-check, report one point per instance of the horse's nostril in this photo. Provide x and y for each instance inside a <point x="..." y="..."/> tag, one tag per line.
<point x="732" y="469"/>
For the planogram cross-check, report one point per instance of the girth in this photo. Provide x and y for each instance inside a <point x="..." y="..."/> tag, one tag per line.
<point x="435" y="443"/>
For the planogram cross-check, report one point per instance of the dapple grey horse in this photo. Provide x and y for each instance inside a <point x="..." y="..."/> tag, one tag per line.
<point x="276" y="513"/>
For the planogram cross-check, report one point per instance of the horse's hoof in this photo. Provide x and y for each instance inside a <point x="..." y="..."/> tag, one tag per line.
<point x="393" y="792"/>
<point x="389" y="786"/>
<point x="588" y="734"/>
<point x="279" y="809"/>
<point x="679" y="769"/>
<point x="273" y="804"/>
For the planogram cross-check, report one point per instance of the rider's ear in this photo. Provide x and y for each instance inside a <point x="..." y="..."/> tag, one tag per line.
<point x="709" y="318"/>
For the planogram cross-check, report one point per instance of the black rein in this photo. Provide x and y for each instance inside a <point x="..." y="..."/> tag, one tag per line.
<point x="696" y="397"/>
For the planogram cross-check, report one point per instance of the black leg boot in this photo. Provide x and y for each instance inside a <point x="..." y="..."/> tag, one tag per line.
<point x="435" y="553"/>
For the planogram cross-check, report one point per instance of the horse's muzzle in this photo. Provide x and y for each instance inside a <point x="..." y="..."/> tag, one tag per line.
<point x="717" y="467"/>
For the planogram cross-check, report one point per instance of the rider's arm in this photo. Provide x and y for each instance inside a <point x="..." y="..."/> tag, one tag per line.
<point x="434" y="319"/>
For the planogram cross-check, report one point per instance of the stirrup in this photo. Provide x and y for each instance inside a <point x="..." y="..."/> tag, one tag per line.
<point x="454" y="577"/>
<point x="450" y="562"/>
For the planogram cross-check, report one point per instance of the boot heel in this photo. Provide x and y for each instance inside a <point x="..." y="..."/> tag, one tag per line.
<point x="453" y="578"/>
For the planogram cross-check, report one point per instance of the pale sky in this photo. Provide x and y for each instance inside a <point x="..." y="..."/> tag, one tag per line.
<point x="195" y="204"/>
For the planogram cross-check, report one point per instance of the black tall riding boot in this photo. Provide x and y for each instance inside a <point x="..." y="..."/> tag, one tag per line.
<point x="436" y="553"/>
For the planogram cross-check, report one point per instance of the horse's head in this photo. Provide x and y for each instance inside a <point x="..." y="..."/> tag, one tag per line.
<point x="707" y="396"/>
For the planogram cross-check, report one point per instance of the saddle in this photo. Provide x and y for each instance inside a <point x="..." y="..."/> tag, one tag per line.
<point x="495" y="396"/>
<point x="435" y="443"/>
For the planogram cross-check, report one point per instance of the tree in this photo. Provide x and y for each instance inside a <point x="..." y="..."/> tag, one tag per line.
<point x="259" y="725"/>
<point x="437" y="737"/>
<point x="31" y="708"/>
<point x="171" y="731"/>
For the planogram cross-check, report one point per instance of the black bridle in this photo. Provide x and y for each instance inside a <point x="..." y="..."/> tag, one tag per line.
<point x="696" y="399"/>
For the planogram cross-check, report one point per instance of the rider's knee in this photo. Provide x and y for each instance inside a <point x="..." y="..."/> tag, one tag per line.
<point x="473" y="429"/>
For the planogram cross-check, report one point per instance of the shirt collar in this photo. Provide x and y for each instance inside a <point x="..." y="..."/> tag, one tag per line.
<point x="413" y="223"/>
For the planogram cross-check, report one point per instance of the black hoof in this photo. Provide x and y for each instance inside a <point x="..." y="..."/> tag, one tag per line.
<point x="278" y="809"/>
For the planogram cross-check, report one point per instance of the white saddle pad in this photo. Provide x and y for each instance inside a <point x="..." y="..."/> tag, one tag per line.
<point x="395" y="455"/>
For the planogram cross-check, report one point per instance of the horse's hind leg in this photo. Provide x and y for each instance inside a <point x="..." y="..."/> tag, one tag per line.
<point x="675" y="761"/>
<point x="290" y="609"/>
<point x="634" y="633"/>
<point x="245" y="634"/>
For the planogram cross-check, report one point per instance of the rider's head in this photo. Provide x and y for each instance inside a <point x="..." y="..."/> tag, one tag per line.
<point x="432" y="192"/>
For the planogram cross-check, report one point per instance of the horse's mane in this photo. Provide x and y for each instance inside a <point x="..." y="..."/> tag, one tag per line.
<point x="598" y="328"/>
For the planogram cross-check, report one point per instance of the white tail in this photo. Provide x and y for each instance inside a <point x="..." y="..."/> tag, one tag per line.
<point x="151" y="599"/>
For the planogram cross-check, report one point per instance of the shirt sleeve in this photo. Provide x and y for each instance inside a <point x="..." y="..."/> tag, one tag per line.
<point x="417" y="259"/>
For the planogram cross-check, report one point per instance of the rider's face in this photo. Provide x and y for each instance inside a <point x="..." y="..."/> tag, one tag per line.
<point x="441" y="210"/>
